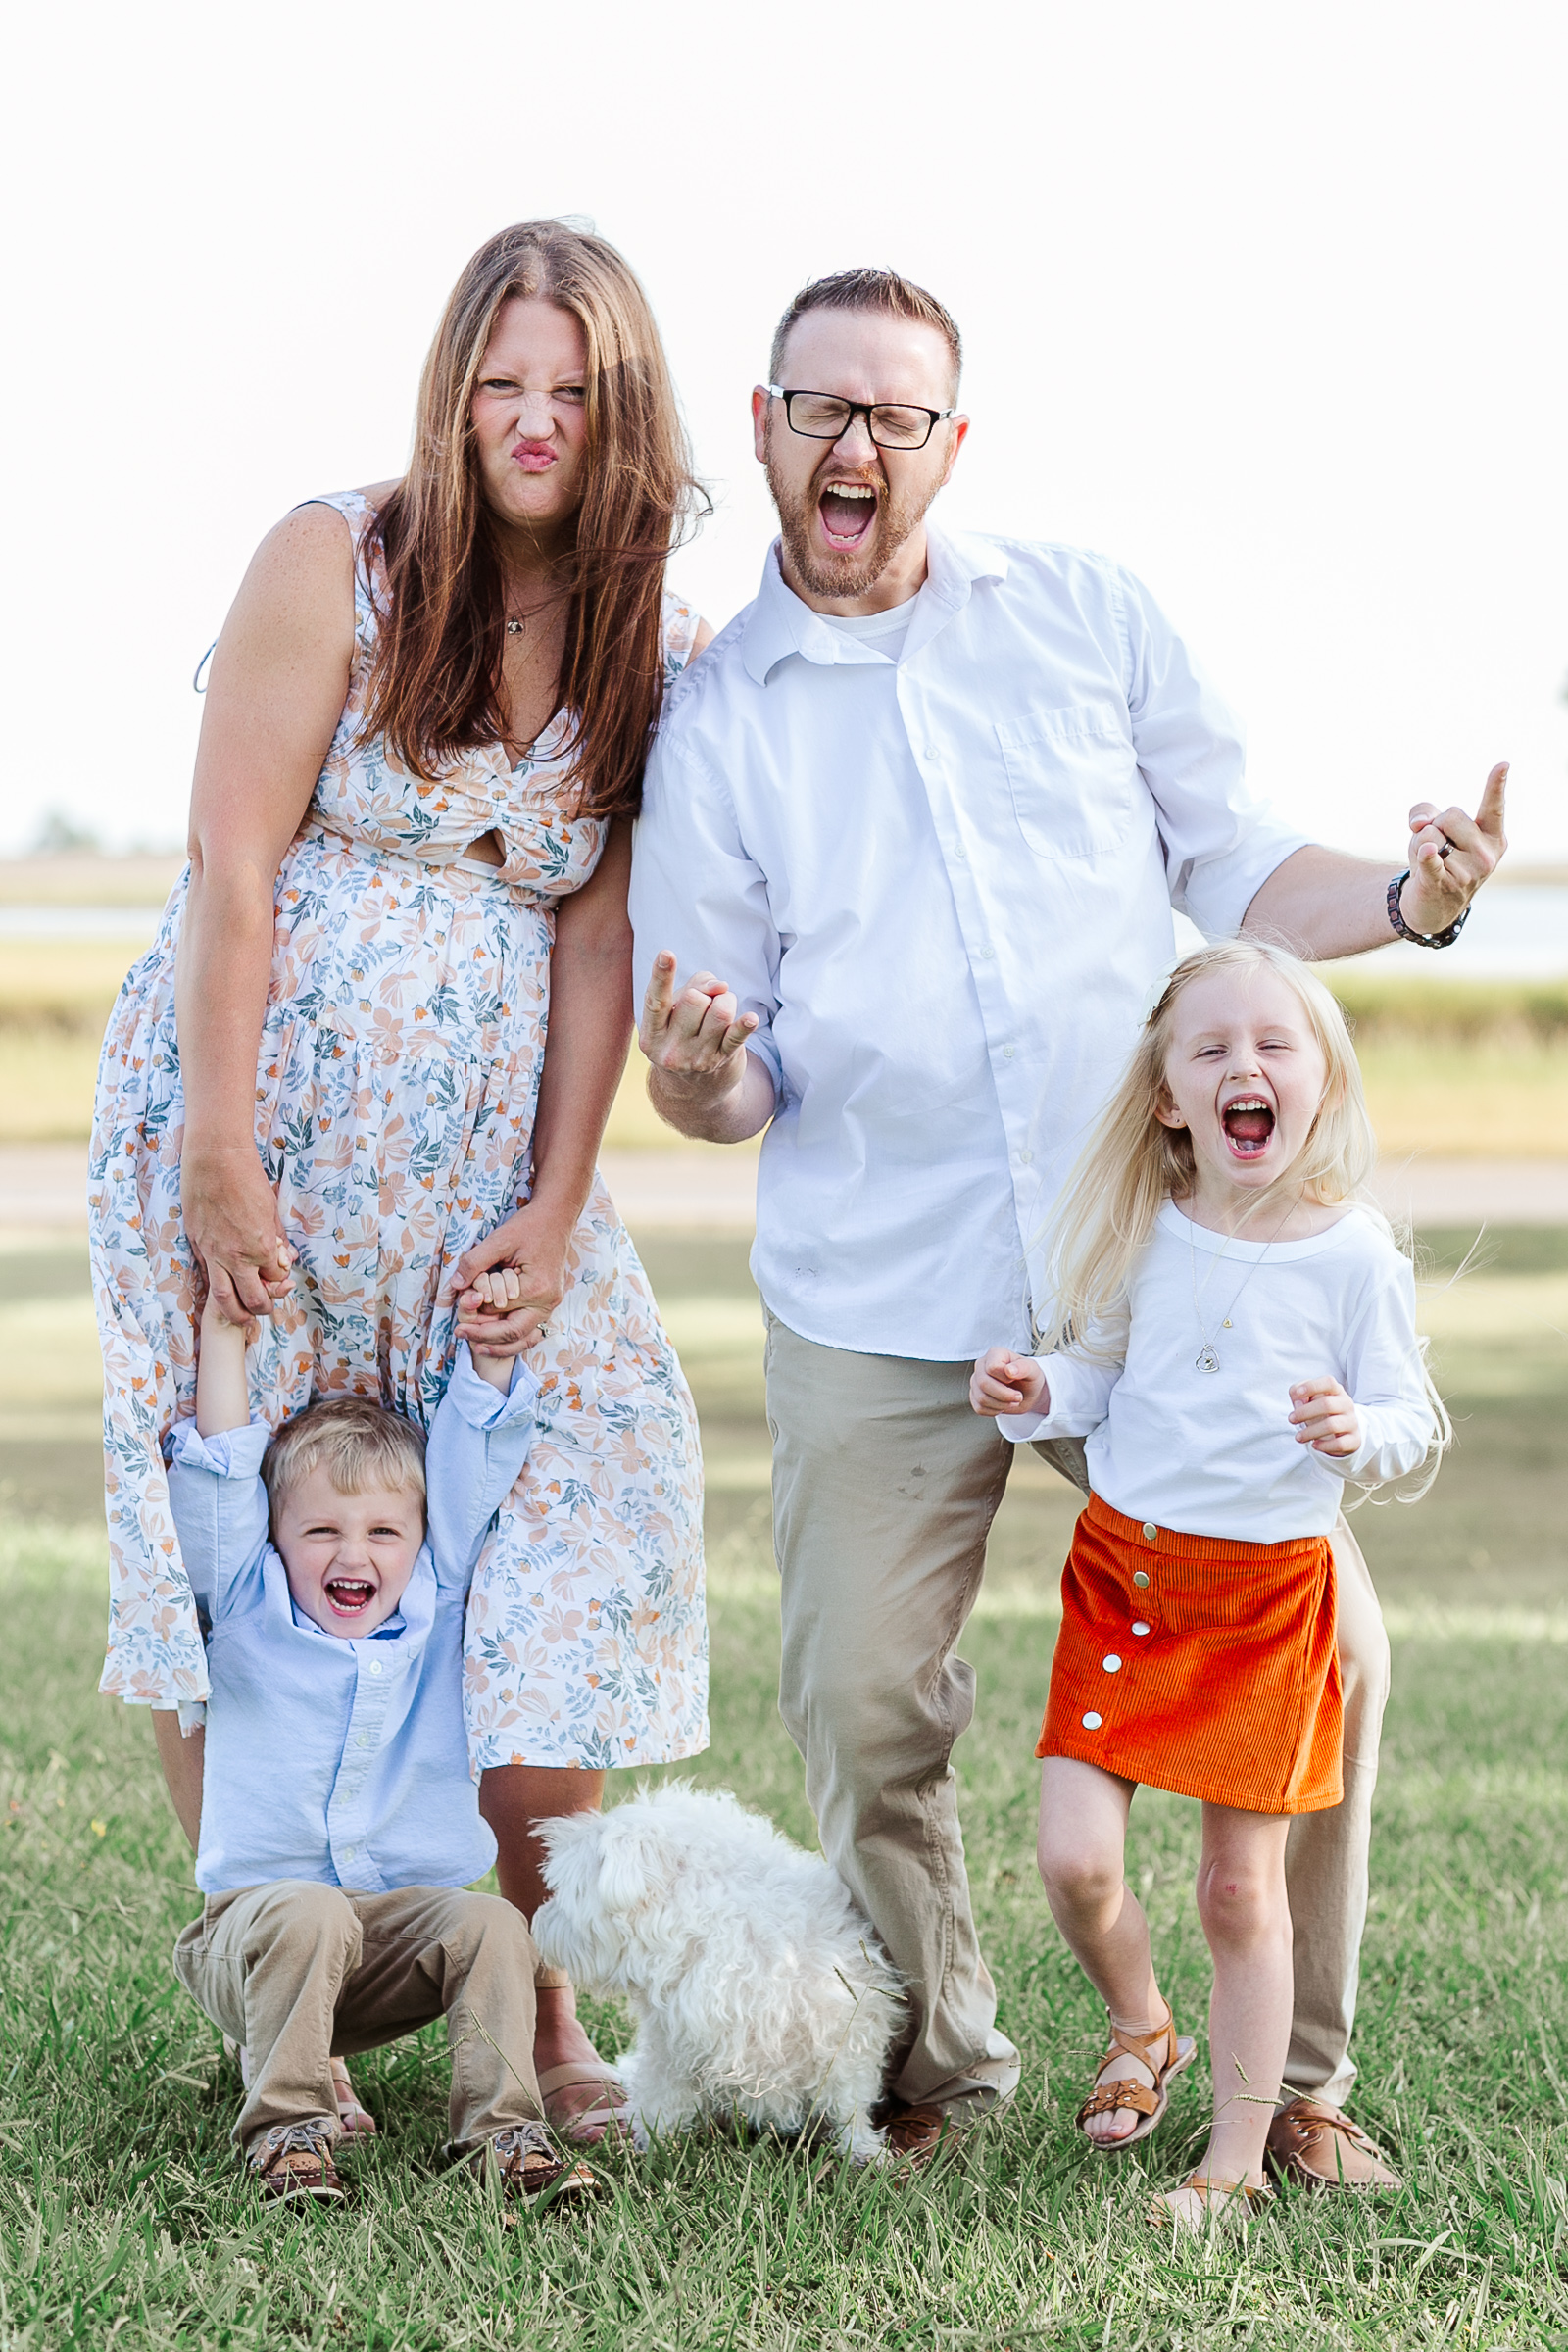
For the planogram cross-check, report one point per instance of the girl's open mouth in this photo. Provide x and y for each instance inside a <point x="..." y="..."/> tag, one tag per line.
<point x="848" y="511"/>
<point x="348" y="1596"/>
<point x="1249" y="1122"/>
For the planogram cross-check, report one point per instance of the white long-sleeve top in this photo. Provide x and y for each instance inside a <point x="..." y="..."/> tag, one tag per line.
<point x="1213" y="1454"/>
<point x="942" y="876"/>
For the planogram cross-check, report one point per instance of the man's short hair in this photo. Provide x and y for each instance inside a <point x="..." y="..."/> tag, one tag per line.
<point x="881" y="290"/>
<point x="359" y="1442"/>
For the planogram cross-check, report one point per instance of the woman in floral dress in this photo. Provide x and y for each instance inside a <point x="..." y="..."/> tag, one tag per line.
<point x="326" y="1089"/>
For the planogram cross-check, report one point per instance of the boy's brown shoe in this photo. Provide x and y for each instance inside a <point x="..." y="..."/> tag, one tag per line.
<point x="525" y="2162"/>
<point x="1314" y="2145"/>
<point x="916" y="2136"/>
<point x="294" y="2160"/>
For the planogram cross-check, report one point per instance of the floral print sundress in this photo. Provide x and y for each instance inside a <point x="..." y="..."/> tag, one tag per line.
<point x="395" y="1094"/>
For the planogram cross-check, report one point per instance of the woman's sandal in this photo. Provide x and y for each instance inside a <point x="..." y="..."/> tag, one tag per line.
<point x="354" y="2121"/>
<point x="1141" y="2098"/>
<point x="1219" y="2200"/>
<point x="584" y="2126"/>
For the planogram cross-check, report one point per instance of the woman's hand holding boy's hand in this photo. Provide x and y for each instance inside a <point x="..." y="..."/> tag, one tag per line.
<point x="498" y="1295"/>
<point x="529" y="1253"/>
<point x="1005" y="1383"/>
<point x="231" y="1215"/>
<point x="1325" y="1417"/>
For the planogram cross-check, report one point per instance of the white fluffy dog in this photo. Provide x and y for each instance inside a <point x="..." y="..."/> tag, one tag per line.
<point x="756" y="1986"/>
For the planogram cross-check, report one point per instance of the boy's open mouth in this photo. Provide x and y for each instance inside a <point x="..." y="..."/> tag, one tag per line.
<point x="848" y="511"/>
<point x="348" y="1595"/>
<point x="1249" y="1122"/>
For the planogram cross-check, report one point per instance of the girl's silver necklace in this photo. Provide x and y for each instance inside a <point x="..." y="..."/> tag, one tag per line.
<point x="1207" y="1357"/>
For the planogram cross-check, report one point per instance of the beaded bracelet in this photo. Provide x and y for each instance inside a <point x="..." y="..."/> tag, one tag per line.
<point x="1420" y="939"/>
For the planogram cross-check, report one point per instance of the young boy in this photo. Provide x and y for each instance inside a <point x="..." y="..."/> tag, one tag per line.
<point x="340" y="1822"/>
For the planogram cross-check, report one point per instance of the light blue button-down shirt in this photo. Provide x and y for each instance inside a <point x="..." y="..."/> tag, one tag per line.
<point x="343" y="1761"/>
<point x="944" y="883"/>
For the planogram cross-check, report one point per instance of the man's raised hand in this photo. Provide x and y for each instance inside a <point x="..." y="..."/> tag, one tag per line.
<point x="697" y="1038"/>
<point x="1452" y="855"/>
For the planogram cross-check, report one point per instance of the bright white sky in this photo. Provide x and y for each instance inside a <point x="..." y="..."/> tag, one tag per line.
<point x="1267" y="301"/>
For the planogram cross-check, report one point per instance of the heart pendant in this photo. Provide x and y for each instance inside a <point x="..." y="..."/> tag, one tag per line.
<point x="1206" y="1360"/>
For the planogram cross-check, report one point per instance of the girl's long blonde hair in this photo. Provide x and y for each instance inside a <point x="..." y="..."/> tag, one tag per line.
<point x="1133" y="1164"/>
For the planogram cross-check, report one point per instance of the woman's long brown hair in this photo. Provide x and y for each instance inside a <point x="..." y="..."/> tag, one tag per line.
<point x="434" y="688"/>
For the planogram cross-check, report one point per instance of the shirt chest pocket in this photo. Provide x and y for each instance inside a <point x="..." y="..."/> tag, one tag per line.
<point x="1074" y="780"/>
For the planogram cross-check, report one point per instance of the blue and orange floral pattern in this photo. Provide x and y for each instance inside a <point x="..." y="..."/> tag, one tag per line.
<point x="395" y="1094"/>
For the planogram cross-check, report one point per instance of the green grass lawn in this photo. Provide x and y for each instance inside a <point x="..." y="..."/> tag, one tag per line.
<point x="124" y="2220"/>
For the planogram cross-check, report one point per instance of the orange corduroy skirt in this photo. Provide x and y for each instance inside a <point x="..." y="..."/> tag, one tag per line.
<point x="1199" y="1665"/>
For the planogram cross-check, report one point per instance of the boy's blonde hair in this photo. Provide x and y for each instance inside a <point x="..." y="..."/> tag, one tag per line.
<point x="1133" y="1164"/>
<point x="361" y="1444"/>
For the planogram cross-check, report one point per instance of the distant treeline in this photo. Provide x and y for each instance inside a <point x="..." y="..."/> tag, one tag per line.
<point x="1438" y="1010"/>
<point x="64" y="988"/>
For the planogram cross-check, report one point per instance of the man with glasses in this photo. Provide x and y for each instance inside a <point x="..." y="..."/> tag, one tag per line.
<point x="912" y="835"/>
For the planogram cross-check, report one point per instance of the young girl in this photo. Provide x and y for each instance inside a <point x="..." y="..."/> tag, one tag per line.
<point x="1237" y="1342"/>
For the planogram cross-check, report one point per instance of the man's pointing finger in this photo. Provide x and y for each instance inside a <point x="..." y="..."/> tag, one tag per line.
<point x="660" y="985"/>
<point x="1489" y="816"/>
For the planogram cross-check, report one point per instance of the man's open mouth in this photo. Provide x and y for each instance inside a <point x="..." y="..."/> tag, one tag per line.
<point x="1249" y="1122"/>
<point x="348" y="1595"/>
<point x="848" y="511"/>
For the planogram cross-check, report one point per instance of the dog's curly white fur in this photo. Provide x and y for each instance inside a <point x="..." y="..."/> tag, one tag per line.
<point x="759" y="1990"/>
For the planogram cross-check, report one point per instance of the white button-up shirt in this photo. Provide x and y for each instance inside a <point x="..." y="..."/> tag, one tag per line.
<point x="944" y="883"/>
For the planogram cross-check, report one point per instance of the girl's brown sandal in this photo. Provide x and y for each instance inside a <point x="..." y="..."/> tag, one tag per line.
<point x="1220" y="2200"/>
<point x="1165" y="2052"/>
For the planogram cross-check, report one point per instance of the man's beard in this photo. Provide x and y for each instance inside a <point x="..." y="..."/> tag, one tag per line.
<point x="848" y="574"/>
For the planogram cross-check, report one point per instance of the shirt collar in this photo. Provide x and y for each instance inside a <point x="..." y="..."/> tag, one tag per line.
<point x="779" y="623"/>
<point x="387" y="1631"/>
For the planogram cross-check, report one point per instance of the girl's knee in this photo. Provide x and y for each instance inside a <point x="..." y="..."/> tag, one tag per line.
<point x="1078" y="1872"/>
<point x="1242" y="1901"/>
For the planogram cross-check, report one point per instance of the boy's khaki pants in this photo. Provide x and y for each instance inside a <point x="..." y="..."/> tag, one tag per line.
<point x="884" y="1487"/>
<point x="300" y="1973"/>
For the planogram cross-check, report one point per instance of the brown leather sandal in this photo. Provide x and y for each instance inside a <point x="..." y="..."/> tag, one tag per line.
<point x="353" y="2119"/>
<point x="585" y="2124"/>
<point x="1219" y="2199"/>
<point x="1148" y="2100"/>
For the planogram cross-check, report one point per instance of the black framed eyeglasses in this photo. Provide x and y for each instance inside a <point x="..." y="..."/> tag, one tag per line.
<point x="891" y="423"/>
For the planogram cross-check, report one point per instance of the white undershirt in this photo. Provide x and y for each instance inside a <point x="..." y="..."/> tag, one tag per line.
<point x="1213" y="1454"/>
<point x="884" y="631"/>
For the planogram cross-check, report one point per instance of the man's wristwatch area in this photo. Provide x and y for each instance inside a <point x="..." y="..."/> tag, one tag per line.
<point x="1420" y="939"/>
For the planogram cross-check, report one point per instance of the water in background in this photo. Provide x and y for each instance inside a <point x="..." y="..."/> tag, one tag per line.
<point x="1516" y="932"/>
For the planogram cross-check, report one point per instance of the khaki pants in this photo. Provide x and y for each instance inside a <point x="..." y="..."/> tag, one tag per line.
<point x="885" y="1485"/>
<point x="301" y="1972"/>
